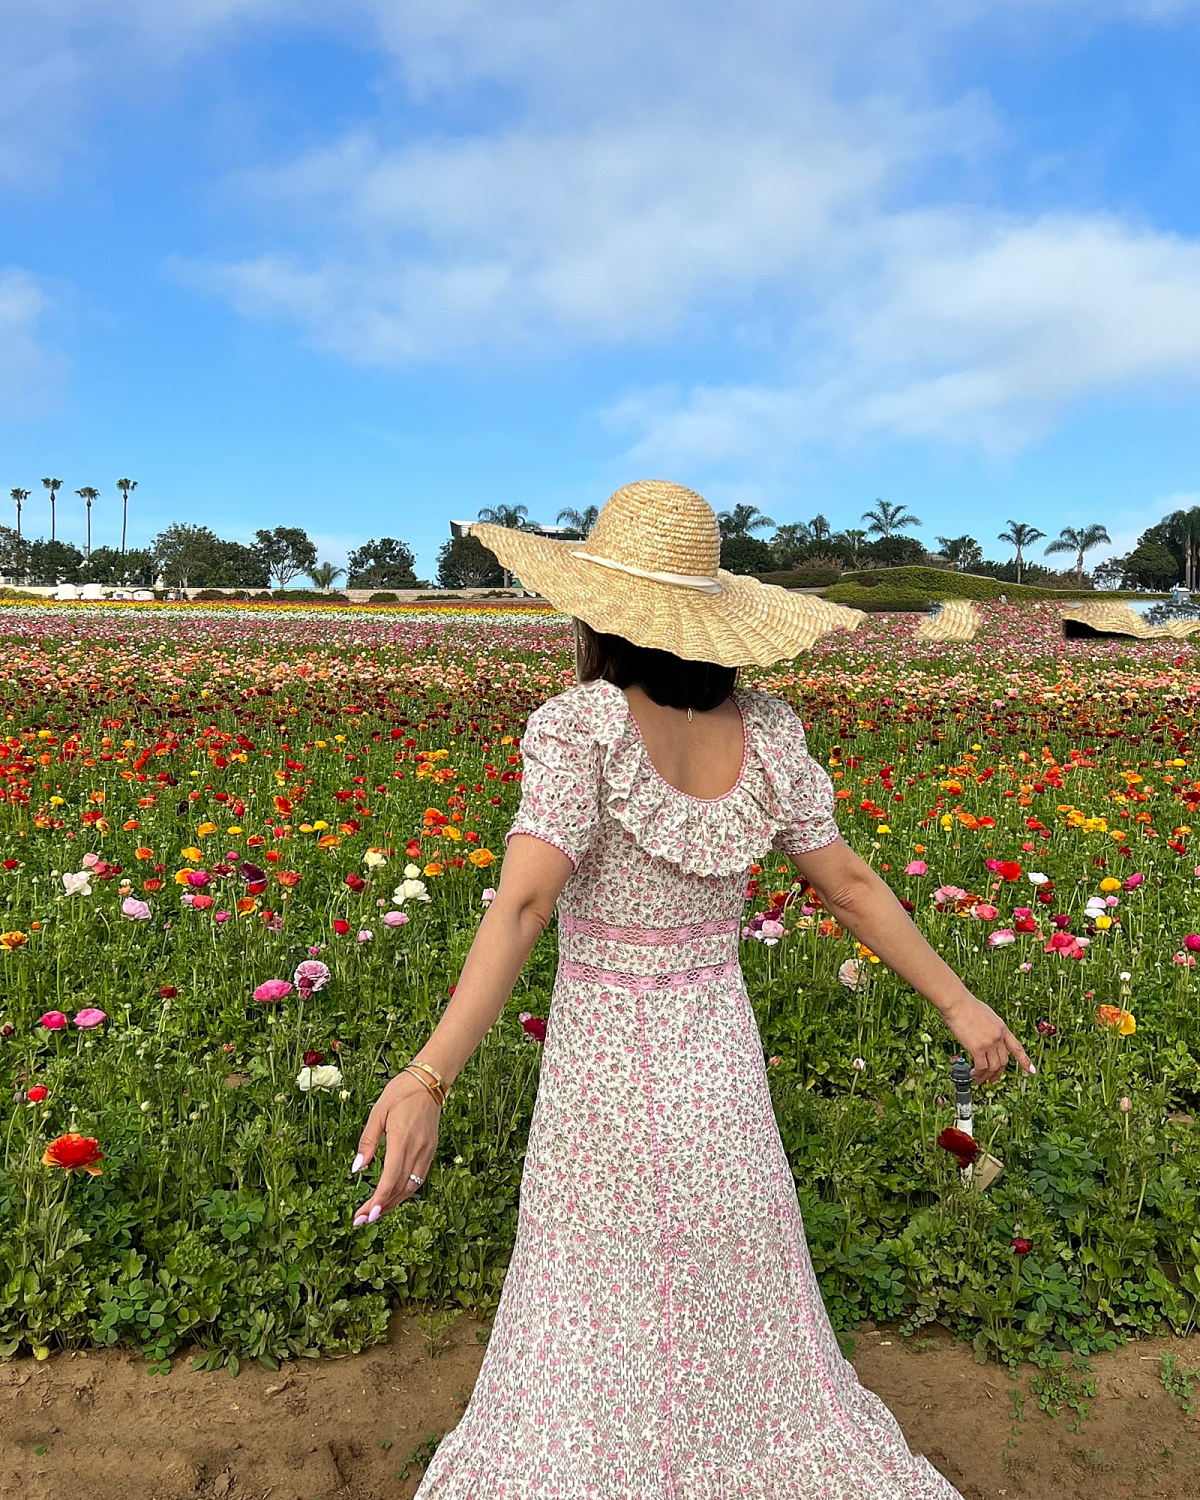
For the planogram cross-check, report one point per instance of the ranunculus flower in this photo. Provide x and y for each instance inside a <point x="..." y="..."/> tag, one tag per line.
<point x="1120" y="1020"/>
<point x="1009" y="869"/>
<point x="135" y="910"/>
<point x="852" y="974"/>
<point x="534" y="1026"/>
<point x="1047" y="1028"/>
<point x="341" y="927"/>
<point x="288" y="879"/>
<point x="770" y="932"/>
<point x="1021" y="1246"/>
<point x="78" y="885"/>
<point x="1131" y="882"/>
<point x="355" y="881"/>
<point x="251" y="873"/>
<point x="75" y="1153"/>
<point x="89" y="1018"/>
<point x="1035" y="877"/>
<point x="395" y="919"/>
<point x="365" y="935"/>
<point x="1192" y="942"/>
<point x="311" y="975"/>
<point x="201" y="903"/>
<point x="965" y="1147"/>
<point x="272" y="989"/>
<point x="37" y="1093"/>
<point x="1002" y="938"/>
<point x="198" y="879"/>
<point x="487" y="896"/>
<point x="374" y="859"/>
<point x="313" y="1059"/>
<point x="985" y="911"/>
<point x="916" y="867"/>
<point x="53" y="1020"/>
<point x="410" y="889"/>
<point x="323" y="1077"/>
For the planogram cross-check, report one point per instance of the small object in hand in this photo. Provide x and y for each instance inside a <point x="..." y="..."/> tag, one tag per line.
<point x="412" y="1177"/>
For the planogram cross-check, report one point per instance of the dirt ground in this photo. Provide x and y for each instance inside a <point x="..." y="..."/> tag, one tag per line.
<point x="94" y="1426"/>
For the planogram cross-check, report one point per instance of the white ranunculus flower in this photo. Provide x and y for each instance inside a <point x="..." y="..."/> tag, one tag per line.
<point x="410" y="890"/>
<point x="77" y="885"/>
<point x="411" y="871"/>
<point x="326" y="1076"/>
<point x="374" y="860"/>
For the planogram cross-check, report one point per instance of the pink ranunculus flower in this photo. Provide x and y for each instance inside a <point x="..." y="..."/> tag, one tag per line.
<point x="770" y="932"/>
<point x="198" y="878"/>
<point x="1192" y="942"/>
<point x="365" y="935"/>
<point x="916" y="867"/>
<point x="852" y="974"/>
<point x="53" y="1020"/>
<point x="1131" y="882"/>
<point x="947" y="893"/>
<point x="89" y="1018"/>
<point x="311" y="975"/>
<point x="272" y="989"/>
<point x="1026" y="967"/>
<point x="201" y="903"/>
<point x="395" y="919"/>
<point x="487" y="896"/>
<point x="135" y="910"/>
<point x="221" y="916"/>
<point x="90" y="861"/>
<point x="1187" y="959"/>
<point x="985" y="911"/>
<point x="1002" y="938"/>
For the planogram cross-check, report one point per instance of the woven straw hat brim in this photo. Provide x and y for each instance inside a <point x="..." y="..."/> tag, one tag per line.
<point x="747" y="624"/>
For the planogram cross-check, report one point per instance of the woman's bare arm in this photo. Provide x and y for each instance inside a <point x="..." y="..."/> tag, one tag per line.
<point x="531" y="878"/>
<point x="864" y="904"/>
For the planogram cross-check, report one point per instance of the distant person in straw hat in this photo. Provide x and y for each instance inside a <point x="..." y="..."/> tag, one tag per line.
<point x="661" y="1334"/>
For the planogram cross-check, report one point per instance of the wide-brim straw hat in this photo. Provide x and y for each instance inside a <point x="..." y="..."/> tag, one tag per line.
<point x="650" y="572"/>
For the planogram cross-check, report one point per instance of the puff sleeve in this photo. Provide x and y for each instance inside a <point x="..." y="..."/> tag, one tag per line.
<point x="560" y="782"/>
<point x="810" y="823"/>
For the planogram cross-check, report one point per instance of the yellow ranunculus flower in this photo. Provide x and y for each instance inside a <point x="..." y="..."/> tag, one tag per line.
<point x="1103" y="923"/>
<point x="191" y="853"/>
<point x="1109" y="884"/>
<point x="320" y="825"/>
<point x="205" y="829"/>
<point x="235" y="829"/>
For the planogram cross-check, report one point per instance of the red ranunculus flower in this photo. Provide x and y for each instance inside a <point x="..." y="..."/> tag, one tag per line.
<point x="37" y="1093"/>
<point x="340" y="927"/>
<point x="536" y="1027"/>
<point x="167" y="992"/>
<point x="313" y="1059"/>
<point x="75" y="1153"/>
<point x="1020" y="1246"/>
<point x="355" y="882"/>
<point x="965" y="1147"/>
<point x="1047" y="1028"/>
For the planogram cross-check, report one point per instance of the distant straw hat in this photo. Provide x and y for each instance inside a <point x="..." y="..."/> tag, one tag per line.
<point x="649" y="572"/>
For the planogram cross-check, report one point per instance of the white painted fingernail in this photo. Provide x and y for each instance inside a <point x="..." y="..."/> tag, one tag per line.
<point x="359" y="1220"/>
<point x="1032" y="1069"/>
<point x="356" y="1164"/>
<point x="374" y="1214"/>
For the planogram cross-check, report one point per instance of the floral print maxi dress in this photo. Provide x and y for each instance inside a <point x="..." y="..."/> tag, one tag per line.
<point x="661" y="1334"/>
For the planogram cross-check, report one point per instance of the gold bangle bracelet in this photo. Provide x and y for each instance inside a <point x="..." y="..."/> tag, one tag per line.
<point x="432" y="1071"/>
<point x="434" y="1088"/>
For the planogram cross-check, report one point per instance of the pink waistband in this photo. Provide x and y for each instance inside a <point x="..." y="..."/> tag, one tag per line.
<point x="651" y="937"/>
<point x="648" y="983"/>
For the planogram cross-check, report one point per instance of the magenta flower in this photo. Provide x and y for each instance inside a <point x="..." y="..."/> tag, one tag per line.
<point x="1131" y="882"/>
<point x="221" y="916"/>
<point x="53" y="1020"/>
<point x="311" y="976"/>
<point x="135" y="910"/>
<point x="272" y="989"/>
<point x="198" y="878"/>
<point x="916" y="867"/>
<point x="89" y="1018"/>
<point x="1192" y="942"/>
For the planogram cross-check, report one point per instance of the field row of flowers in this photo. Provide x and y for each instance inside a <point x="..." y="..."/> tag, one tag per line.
<point x="241" y="865"/>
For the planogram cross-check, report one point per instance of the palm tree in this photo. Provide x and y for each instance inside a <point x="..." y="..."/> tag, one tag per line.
<point x="53" y="485"/>
<point x="514" y="517"/>
<point x="1020" y="536"/>
<point x="1182" y="528"/>
<point x="125" y="485"/>
<point x="1079" y="539"/>
<point x="741" y="521"/>
<point x="581" y="520"/>
<point x="325" y="575"/>
<point x="89" y="494"/>
<point x="887" y="519"/>
<point x="850" y="541"/>
<point x="819" y="529"/>
<point x="20" y="496"/>
<point x="961" y="551"/>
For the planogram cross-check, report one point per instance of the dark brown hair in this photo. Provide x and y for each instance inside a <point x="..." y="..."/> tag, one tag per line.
<point x="666" y="679"/>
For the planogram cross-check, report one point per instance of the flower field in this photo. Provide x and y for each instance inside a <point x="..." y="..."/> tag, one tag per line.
<point x="242" y="855"/>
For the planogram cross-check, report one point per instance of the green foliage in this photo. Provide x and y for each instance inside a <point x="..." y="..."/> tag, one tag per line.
<point x="287" y="551"/>
<point x="813" y="576"/>
<point x="382" y="598"/>
<point x="464" y="562"/>
<point x="383" y="564"/>
<point x="745" y="554"/>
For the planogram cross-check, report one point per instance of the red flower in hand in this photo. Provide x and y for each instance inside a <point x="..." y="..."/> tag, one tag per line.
<point x="75" y="1153"/>
<point x="965" y="1147"/>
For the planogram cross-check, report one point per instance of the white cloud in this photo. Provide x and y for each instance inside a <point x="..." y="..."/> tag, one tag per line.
<point x="30" y="373"/>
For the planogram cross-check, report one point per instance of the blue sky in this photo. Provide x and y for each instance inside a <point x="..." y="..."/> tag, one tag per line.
<point x="365" y="266"/>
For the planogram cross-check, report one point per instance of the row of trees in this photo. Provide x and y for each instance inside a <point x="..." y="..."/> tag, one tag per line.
<point x="87" y="493"/>
<point x="1166" y="554"/>
<point x="189" y="556"/>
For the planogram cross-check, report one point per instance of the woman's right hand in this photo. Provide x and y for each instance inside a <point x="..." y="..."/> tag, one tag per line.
<point x="985" y="1036"/>
<point x="409" y="1115"/>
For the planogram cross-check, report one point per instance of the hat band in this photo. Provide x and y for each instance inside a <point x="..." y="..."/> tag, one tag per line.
<point x="701" y="582"/>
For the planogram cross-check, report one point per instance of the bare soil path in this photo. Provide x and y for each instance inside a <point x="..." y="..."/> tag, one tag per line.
<point x="94" y="1426"/>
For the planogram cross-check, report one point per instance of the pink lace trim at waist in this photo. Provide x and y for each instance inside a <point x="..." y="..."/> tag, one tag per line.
<point x="648" y="983"/>
<point x="651" y="937"/>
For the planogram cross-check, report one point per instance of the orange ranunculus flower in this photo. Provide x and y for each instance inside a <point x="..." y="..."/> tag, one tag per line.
<point x="288" y="878"/>
<point x="481" y="858"/>
<point x="205" y="829"/>
<point x="181" y="876"/>
<point x="328" y="841"/>
<point x="143" y="853"/>
<point x="129" y="825"/>
<point x="246" y="905"/>
<point x="191" y="852"/>
<point x="433" y="868"/>
<point x="11" y="940"/>
<point x="75" y="1153"/>
<point x="282" y="805"/>
<point x="1120" y="1020"/>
